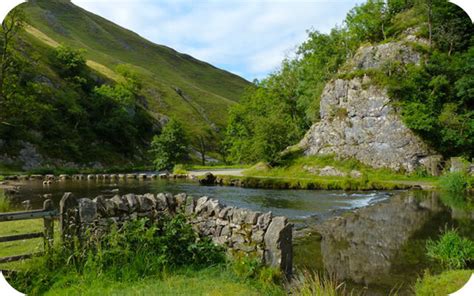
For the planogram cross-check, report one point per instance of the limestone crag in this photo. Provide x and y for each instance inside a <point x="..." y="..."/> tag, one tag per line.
<point x="359" y="121"/>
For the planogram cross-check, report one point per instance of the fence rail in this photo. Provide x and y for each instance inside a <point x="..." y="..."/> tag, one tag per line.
<point x="48" y="214"/>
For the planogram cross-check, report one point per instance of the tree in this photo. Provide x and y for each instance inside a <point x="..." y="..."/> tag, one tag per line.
<point x="367" y="21"/>
<point x="170" y="147"/>
<point x="11" y="26"/>
<point x="205" y="143"/>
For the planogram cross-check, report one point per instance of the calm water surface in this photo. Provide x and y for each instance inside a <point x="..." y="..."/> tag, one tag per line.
<point x="295" y="204"/>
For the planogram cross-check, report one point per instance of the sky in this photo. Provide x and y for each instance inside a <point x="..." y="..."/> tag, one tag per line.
<point x="248" y="38"/>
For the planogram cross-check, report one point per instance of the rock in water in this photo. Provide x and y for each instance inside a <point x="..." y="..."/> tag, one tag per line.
<point x="209" y="179"/>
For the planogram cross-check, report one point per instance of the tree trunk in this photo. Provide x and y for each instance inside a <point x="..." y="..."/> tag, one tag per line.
<point x="430" y="21"/>
<point x="203" y="151"/>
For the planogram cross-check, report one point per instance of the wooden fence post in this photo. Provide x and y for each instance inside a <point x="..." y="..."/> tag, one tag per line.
<point x="48" y="225"/>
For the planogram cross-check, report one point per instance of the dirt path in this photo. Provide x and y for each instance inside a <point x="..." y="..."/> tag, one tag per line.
<point x="221" y="172"/>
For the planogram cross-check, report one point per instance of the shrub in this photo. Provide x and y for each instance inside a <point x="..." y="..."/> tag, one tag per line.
<point x="451" y="251"/>
<point x="454" y="182"/>
<point x="180" y="169"/>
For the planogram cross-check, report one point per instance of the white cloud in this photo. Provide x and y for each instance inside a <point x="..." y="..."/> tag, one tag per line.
<point x="246" y="37"/>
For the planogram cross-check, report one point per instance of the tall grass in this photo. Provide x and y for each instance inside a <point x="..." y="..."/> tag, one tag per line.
<point x="451" y="251"/>
<point x="454" y="183"/>
<point x="5" y="204"/>
<point x="313" y="284"/>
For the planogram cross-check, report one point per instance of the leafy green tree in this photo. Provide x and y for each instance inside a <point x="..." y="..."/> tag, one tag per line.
<point x="11" y="26"/>
<point x="368" y="21"/>
<point x="170" y="147"/>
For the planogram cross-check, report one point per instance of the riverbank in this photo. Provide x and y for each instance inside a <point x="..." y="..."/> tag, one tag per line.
<point x="241" y="178"/>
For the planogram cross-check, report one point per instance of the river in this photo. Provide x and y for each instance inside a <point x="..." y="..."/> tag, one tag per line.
<point x="373" y="241"/>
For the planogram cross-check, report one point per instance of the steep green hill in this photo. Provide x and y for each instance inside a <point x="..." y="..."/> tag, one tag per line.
<point x="172" y="84"/>
<point x="208" y="90"/>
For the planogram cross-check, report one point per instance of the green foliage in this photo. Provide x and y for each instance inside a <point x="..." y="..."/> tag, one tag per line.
<point x="435" y="98"/>
<point x="454" y="183"/>
<point x="70" y="61"/>
<point x="136" y="250"/>
<point x="249" y="267"/>
<point x="180" y="169"/>
<point x="451" y="251"/>
<point x="76" y="118"/>
<point x="443" y="284"/>
<point x="170" y="147"/>
<point x="278" y="110"/>
<point x="5" y="204"/>
<point x="436" y="101"/>
<point x="366" y="21"/>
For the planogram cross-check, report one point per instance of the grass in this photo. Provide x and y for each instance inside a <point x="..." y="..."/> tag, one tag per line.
<point x="312" y="284"/>
<point x="451" y="251"/>
<point x="443" y="284"/>
<point x="217" y="167"/>
<point x="141" y="259"/>
<point x="23" y="246"/>
<point x="214" y="280"/>
<point x="298" y="172"/>
<point x="5" y="204"/>
<point x="454" y="183"/>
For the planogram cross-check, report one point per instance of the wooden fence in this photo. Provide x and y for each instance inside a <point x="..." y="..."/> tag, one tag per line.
<point x="48" y="214"/>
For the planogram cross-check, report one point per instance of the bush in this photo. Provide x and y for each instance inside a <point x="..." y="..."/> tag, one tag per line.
<point x="454" y="182"/>
<point x="451" y="251"/>
<point x="180" y="169"/>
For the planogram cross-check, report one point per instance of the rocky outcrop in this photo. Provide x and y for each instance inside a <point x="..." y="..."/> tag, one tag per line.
<point x="358" y="120"/>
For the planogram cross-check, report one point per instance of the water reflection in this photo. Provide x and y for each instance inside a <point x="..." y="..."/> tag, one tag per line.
<point x="384" y="244"/>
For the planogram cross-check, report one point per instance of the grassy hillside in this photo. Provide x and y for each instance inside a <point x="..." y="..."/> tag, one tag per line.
<point x="208" y="89"/>
<point x="172" y="84"/>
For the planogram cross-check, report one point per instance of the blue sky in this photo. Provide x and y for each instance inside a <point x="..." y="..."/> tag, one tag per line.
<point x="248" y="38"/>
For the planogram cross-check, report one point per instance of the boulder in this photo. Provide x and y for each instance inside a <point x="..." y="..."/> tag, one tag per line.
<point x="278" y="245"/>
<point x="208" y="179"/>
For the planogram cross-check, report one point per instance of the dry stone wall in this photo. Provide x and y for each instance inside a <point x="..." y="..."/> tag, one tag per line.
<point x="239" y="230"/>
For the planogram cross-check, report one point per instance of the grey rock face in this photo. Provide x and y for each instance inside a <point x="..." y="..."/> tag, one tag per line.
<point x="358" y="120"/>
<point x="377" y="56"/>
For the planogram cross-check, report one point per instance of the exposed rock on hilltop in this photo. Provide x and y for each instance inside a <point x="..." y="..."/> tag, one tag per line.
<point x="357" y="119"/>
